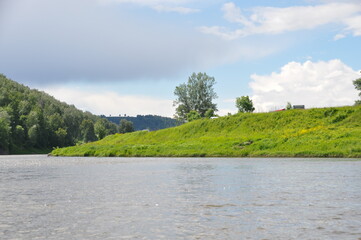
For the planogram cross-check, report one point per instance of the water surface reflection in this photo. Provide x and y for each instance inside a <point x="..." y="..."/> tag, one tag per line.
<point x="163" y="198"/>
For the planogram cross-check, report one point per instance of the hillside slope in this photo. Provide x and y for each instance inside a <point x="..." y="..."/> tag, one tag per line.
<point x="326" y="132"/>
<point x="32" y="121"/>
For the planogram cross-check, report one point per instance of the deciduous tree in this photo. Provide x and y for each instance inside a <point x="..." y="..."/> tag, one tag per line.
<point x="357" y="84"/>
<point x="195" y="95"/>
<point x="244" y="104"/>
<point x="100" y="128"/>
<point x="87" y="131"/>
<point x="61" y="136"/>
<point x="4" y="131"/>
<point x="126" y="126"/>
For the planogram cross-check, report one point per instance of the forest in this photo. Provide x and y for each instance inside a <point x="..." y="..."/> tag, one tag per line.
<point x="32" y="121"/>
<point x="147" y="122"/>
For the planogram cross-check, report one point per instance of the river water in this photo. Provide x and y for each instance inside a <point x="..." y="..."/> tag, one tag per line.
<point x="179" y="198"/>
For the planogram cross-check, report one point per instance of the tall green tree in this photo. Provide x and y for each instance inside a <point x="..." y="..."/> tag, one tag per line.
<point x="73" y="119"/>
<point x="357" y="84"/>
<point x="61" y="137"/>
<point x="19" y="135"/>
<point x="125" y="126"/>
<point x="5" y="131"/>
<point x="87" y="131"/>
<point x="55" y="121"/>
<point x="34" y="133"/>
<point x="195" y="95"/>
<point x="100" y="128"/>
<point x="244" y="104"/>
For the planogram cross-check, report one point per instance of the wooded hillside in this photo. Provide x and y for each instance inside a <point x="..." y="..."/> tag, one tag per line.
<point x="31" y="121"/>
<point x="147" y="122"/>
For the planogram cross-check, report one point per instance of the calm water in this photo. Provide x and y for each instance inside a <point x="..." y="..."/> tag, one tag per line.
<point x="163" y="198"/>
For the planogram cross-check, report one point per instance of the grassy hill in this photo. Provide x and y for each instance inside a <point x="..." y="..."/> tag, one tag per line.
<point x="326" y="132"/>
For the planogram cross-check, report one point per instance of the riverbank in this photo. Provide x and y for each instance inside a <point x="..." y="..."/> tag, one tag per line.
<point x="29" y="151"/>
<point x="322" y="132"/>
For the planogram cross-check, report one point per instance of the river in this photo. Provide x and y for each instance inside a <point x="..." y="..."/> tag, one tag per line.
<point x="179" y="198"/>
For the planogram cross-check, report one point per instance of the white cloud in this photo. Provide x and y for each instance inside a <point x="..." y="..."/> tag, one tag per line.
<point x="226" y="111"/>
<point x="272" y="20"/>
<point x="339" y="36"/>
<point x="159" y="5"/>
<point x="233" y="14"/>
<point x="65" y="40"/>
<point x="147" y="2"/>
<point x="112" y="103"/>
<point x="182" y="10"/>
<point x="354" y="25"/>
<point x="314" y="84"/>
<point x="226" y="106"/>
<point x="223" y="32"/>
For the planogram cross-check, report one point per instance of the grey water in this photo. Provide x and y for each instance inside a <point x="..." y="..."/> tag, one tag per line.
<point x="179" y="198"/>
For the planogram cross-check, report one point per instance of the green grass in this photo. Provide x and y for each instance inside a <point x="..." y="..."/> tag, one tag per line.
<point x="323" y="132"/>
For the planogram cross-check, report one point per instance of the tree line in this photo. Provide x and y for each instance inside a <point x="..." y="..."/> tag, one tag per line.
<point x="31" y="119"/>
<point x="146" y="122"/>
<point x="194" y="99"/>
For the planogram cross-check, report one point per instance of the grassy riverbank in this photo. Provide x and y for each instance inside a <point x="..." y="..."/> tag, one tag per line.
<point x="326" y="132"/>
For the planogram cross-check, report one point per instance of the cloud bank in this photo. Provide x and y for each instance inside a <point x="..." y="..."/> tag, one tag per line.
<point x="272" y="20"/>
<point x="63" y="40"/>
<point x="314" y="84"/>
<point x="159" y="5"/>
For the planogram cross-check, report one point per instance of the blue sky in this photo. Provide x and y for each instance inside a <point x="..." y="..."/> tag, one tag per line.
<point x="127" y="56"/>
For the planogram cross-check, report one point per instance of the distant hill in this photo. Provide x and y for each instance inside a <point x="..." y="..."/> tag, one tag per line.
<point x="323" y="132"/>
<point x="149" y="122"/>
<point x="32" y="121"/>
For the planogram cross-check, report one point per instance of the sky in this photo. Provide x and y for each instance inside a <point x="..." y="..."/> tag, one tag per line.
<point x="116" y="57"/>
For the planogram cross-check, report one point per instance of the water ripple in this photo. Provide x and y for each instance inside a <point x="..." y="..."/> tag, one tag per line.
<point x="161" y="198"/>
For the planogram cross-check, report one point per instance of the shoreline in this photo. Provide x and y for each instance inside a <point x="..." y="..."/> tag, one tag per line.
<point x="318" y="132"/>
